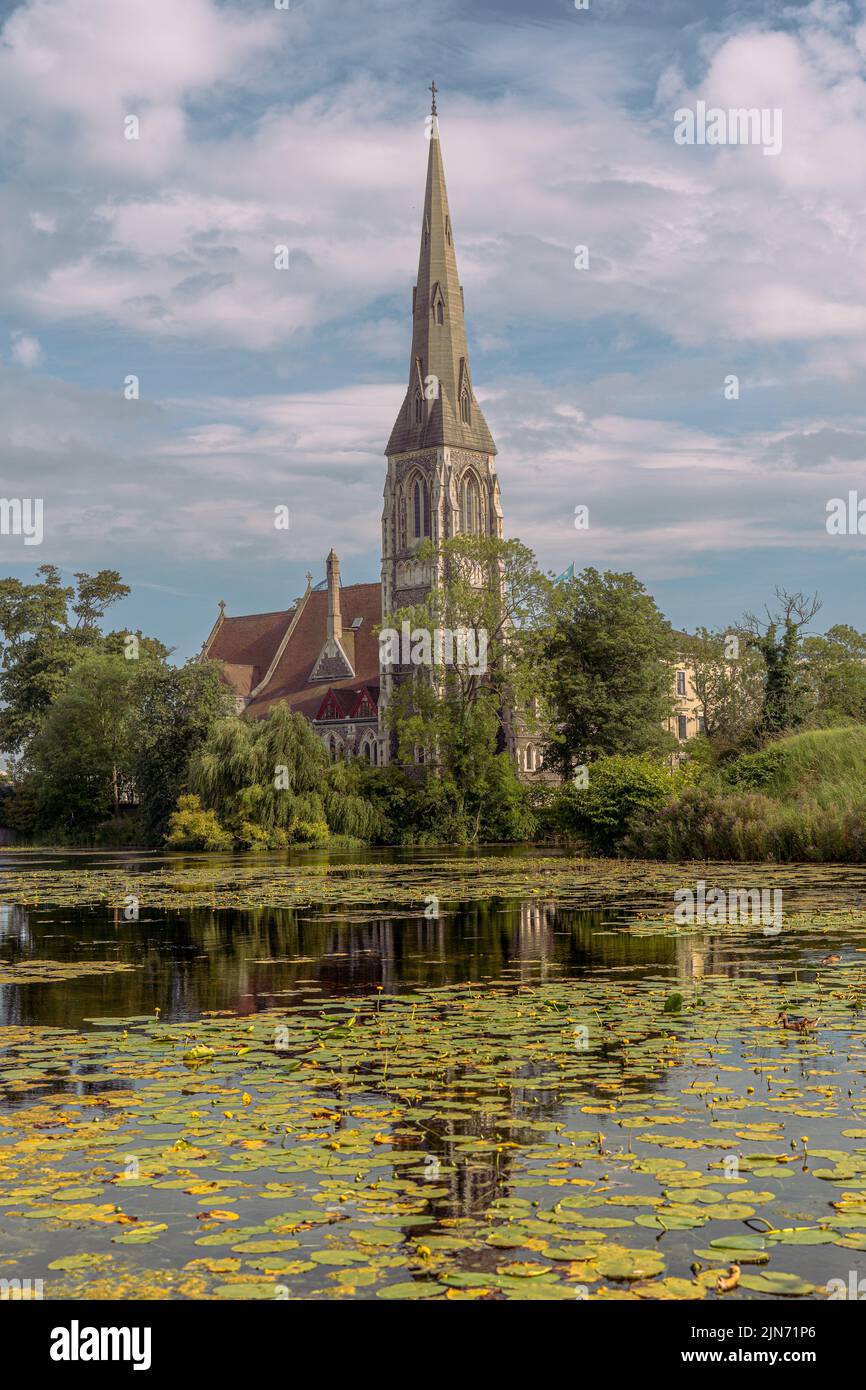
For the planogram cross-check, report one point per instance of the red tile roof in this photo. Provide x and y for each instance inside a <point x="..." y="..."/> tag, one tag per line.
<point x="247" y="646"/>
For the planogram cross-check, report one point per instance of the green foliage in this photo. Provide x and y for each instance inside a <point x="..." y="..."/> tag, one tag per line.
<point x="730" y="688"/>
<point x="452" y="713"/>
<point x="424" y="808"/>
<point x="607" y="655"/>
<point x="118" y="732"/>
<point x="785" y="703"/>
<point x="78" y="764"/>
<point x="7" y="795"/>
<point x="44" y="628"/>
<point x="192" y="827"/>
<point x="801" y="798"/>
<point x="827" y="766"/>
<point x="176" y="708"/>
<point x="834" y="671"/>
<point x="507" y="813"/>
<point x="272" y="777"/>
<point x="622" y="789"/>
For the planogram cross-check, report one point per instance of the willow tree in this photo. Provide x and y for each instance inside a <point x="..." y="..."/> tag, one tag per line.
<point x="271" y="778"/>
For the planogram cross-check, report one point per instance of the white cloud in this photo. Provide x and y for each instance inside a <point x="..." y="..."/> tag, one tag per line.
<point x="702" y="262"/>
<point x="699" y="244"/>
<point x="26" y="350"/>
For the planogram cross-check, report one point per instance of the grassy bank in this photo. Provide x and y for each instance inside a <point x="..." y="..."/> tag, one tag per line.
<point x="802" y="798"/>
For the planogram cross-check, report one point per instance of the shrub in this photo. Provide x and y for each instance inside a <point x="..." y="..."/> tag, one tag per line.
<point x="622" y="790"/>
<point x="703" y="824"/>
<point x="192" y="827"/>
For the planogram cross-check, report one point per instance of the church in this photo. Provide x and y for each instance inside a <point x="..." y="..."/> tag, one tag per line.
<point x="321" y="656"/>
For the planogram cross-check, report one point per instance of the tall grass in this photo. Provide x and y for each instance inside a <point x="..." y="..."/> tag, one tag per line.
<point x="802" y="798"/>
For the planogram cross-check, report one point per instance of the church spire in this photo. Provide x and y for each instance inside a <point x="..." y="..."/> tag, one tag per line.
<point x="440" y="405"/>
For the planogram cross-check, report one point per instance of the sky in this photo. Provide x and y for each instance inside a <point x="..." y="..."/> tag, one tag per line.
<point x="604" y="384"/>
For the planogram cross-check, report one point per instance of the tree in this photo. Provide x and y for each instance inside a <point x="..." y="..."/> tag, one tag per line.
<point x="621" y="790"/>
<point x="834" y="671"/>
<point x="269" y="782"/>
<point x="191" y="827"/>
<point x="607" y="655"/>
<point x="777" y="639"/>
<point x="728" y="680"/>
<point x="176" y="709"/>
<point x="448" y="710"/>
<point x="78" y="766"/>
<point x="44" y="628"/>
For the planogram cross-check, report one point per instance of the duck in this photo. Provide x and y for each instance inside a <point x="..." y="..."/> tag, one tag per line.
<point x="798" y="1022"/>
<point x="830" y="960"/>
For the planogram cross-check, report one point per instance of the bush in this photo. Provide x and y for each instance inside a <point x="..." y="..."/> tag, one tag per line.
<point x="749" y="826"/>
<point x="622" y="790"/>
<point x="192" y="827"/>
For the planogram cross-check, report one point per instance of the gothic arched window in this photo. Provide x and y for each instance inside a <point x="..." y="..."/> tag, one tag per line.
<point x="440" y="312"/>
<point x="470" y="506"/>
<point x="465" y="408"/>
<point x="419" y="408"/>
<point x="421" y="508"/>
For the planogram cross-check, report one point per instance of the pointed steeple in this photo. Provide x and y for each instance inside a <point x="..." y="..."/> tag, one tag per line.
<point x="440" y="405"/>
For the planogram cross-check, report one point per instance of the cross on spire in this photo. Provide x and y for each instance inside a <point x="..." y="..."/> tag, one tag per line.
<point x="434" y="89"/>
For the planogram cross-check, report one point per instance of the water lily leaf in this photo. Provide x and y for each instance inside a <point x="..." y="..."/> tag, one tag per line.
<point x="785" y="1285"/>
<point x="427" y="1289"/>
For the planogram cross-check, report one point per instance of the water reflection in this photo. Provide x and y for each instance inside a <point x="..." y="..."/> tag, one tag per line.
<point x="188" y="962"/>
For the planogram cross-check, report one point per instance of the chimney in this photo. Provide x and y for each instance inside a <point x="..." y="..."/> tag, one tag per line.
<point x="335" y="620"/>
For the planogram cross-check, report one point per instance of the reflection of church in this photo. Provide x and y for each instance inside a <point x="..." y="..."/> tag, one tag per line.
<point x="321" y="656"/>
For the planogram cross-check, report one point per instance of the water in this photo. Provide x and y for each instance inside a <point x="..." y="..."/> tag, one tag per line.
<point x="200" y="961"/>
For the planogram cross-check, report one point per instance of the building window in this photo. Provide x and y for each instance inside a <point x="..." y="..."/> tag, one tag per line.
<point x="419" y="409"/>
<point x="702" y="724"/>
<point x="530" y="758"/>
<point x="470" y="506"/>
<point x="440" y="312"/>
<point x="421" y="508"/>
<point x="682" y="727"/>
<point x="465" y="409"/>
<point x="681" y="682"/>
<point x="335" y="748"/>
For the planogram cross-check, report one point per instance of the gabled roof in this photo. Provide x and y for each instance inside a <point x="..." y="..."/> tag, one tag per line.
<point x="345" y="702"/>
<point x="248" y="647"/>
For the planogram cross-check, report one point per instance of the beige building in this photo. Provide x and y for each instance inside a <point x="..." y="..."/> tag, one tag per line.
<point x="687" y="718"/>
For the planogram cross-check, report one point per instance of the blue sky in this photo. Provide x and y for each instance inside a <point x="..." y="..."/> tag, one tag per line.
<point x="259" y="388"/>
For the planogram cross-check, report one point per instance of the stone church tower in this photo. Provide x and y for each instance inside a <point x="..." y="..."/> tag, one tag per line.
<point x="441" y="456"/>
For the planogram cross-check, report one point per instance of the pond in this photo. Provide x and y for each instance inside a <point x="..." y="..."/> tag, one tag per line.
<point x="495" y="1074"/>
